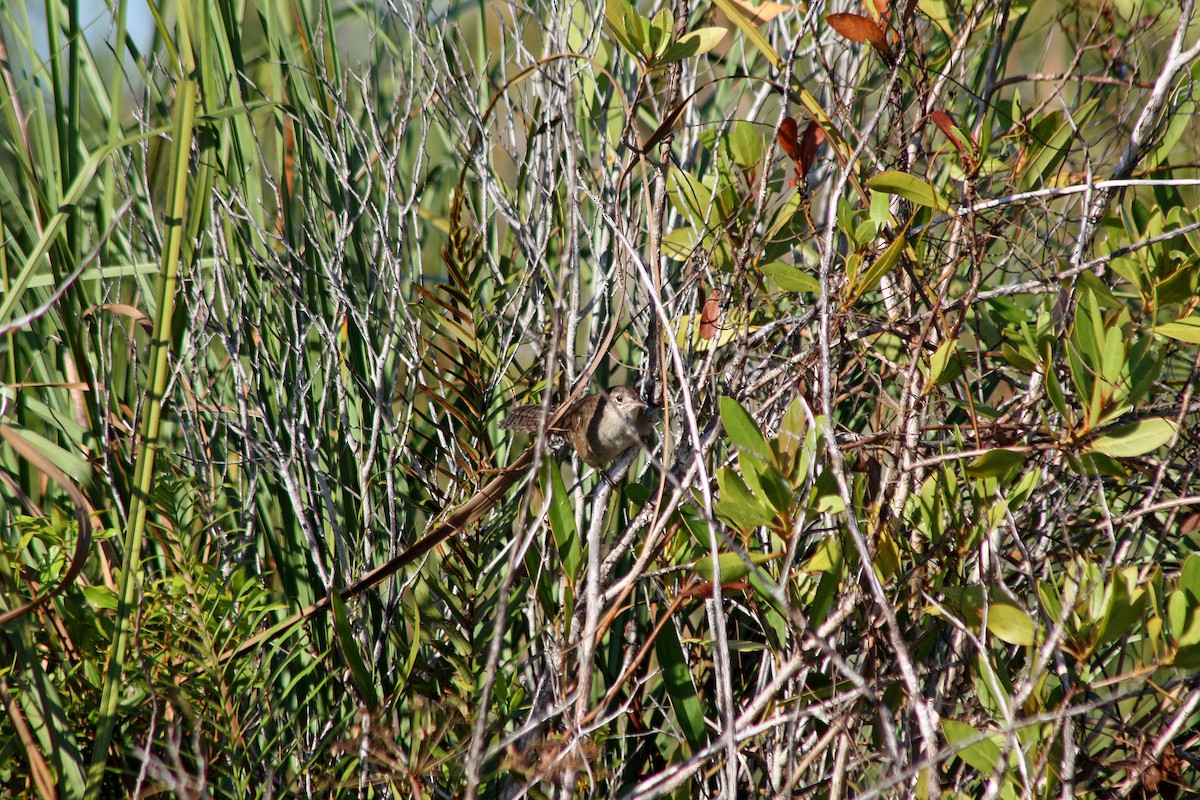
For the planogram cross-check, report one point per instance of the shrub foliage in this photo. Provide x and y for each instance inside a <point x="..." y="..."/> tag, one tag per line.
<point x="914" y="285"/>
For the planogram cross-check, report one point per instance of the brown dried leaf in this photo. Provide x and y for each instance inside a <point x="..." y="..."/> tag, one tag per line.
<point x="787" y="138"/>
<point x="709" y="315"/>
<point x="858" y="28"/>
<point x="814" y="137"/>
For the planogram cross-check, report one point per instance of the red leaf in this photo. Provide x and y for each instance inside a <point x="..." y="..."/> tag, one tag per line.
<point x="858" y="28"/>
<point x="708" y="316"/>
<point x="814" y="136"/>
<point x="946" y="125"/>
<point x="787" y="138"/>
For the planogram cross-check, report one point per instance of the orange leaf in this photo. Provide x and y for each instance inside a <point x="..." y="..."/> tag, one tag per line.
<point x="787" y="138"/>
<point x="858" y="28"/>
<point x="708" y="316"/>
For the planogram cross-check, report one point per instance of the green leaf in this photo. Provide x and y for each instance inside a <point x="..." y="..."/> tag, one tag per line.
<point x="1183" y="612"/>
<point x="745" y="144"/>
<point x="1054" y="390"/>
<point x="562" y="522"/>
<point x="1010" y="624"/>
<point x="827" y="498"/>
<point x="826" y="556"/>
<point x="363" y="681"/>
<point x="1182" y="330"/>
<point x="681" y="243"/>
<point x="910" y="187"/>
<point x="1005" y="621"/>
<point x="101" y="597"/>
<point x="742" y="429"/>
<point x="765" y="481"/>
<point x="786" y="213"/>
<point x="1137" y="439"/>
<point x="663" y="28"/>
<point x="680" y="689"/>
<point x="733" y="566"/>
<point x="696" y="43"/>
<point x="886" y="262"/>
<point x="944" y="366"/>
<point x="690" y="197"/>
<point x="792" y="428"/>
<point x="1127" y="600"/>
<point x="1018" y="358"/>
<point x="792" y="279"/>
<point x="983" y="755"/>
<point x="624" y="23"/>
<point x="1189" y="576"/>
<point x="1050" y="141"/>
<point x="1187" y="658"/>
<point x="737" y="503"/>
<point x="1177" y="287"/>
<point x="999" y="463"/>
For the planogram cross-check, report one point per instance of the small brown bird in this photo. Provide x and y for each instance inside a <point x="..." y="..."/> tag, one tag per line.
<point x="600" y="426"/>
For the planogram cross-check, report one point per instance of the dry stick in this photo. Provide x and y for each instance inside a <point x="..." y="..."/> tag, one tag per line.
<point x="676" y="604"/>
<point x="1186" y="709"/>
<point x="920" y="706"/>
<point x="474" y="762"/>
<point x="1139" y="139"/>
<point x="460" y="518"/>
<point x="744" y="728"/>
<point x="1160" y="474"/>
<point x="465" y="515"/>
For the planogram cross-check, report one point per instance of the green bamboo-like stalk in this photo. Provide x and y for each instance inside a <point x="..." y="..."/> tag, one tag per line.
<point x="150" y="428"/>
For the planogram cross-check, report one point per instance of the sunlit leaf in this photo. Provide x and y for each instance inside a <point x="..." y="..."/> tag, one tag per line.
<point x="1137" y="439"/>
<point x="857" y="28"/>
<point x="792" y="279"/>
<point x="742" y="429"/>
<point x="1183" y="330"/>
<point x="696" y="43"/>
<point x="998" y="463"/>
<point x="733" y="566"/>
<point x="983" y="754"/>
<point x="746" y="24"/>
<point x="1010" y="624"/>
<point x="910" y="187"/>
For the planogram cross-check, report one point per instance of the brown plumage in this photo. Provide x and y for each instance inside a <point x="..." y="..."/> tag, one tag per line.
<point x="600" y="426"/>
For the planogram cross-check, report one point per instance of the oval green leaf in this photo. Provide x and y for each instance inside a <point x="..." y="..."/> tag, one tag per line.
<point x="1137" y="439"/>
<point x="1182" y="330"/>
<point x="733" y="566"/>
<point x="742" y="428"/>
<point x="695" y="43"/>
<point x="910" y="187"/>
<point x="792" y="279"/>
<point x="1010" y="624"/>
